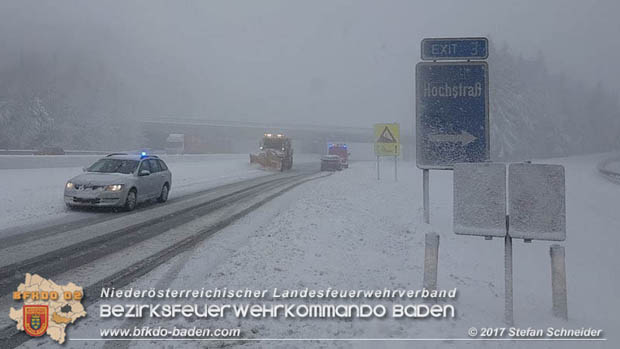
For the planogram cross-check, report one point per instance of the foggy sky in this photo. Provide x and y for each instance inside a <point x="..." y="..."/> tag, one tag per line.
<point x="347" y="63"/>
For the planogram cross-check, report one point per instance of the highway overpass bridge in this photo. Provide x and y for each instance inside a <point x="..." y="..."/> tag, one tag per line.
<point x="216" y="136"/>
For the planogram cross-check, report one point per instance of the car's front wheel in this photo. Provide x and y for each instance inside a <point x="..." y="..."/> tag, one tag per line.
<point x="163" y="196"/>
<point x="131" y="201"/>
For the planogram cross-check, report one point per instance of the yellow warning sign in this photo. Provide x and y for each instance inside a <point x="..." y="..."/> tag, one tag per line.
<point x="387" y="139"/>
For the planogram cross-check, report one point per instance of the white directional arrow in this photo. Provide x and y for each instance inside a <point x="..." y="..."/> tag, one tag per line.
<point x="464" y="138"/>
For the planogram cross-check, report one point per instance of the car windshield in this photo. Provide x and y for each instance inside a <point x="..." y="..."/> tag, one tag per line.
<point x="272" y="143"/>
<point x="113" y="166"/>
<point x="337" y="151"/>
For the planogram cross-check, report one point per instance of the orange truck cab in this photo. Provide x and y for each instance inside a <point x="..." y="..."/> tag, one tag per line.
<point x="341" y="150"/>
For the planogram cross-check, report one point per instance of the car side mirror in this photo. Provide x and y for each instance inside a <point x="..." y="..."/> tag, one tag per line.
<point x="144" y="173"/>
<point x="83" y="169"/>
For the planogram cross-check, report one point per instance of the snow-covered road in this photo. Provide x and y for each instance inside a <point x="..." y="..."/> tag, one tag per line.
<point x="123" y="247"/>
<point x="350" y="231"/>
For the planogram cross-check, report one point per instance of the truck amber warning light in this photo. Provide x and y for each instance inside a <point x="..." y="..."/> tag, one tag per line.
<point x="48" y="307"/>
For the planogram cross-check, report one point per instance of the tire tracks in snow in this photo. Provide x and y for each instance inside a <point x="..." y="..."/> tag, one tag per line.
<point x="53" y="262"/>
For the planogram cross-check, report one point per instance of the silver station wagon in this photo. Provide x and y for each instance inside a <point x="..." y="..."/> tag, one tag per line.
<point x="120" y="180"/>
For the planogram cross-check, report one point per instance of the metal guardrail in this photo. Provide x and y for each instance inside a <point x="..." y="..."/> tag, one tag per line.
<point x="17" y="151"/>
<point x="67" y="152"/>
<point x="603" y="169"/>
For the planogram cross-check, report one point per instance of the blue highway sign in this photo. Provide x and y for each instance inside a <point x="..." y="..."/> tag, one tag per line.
<point x="455" y="49"/>
<point x="452" y="113"/>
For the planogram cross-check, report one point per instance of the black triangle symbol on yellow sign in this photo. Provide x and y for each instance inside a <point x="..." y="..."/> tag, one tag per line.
<point x="386" y="136"/>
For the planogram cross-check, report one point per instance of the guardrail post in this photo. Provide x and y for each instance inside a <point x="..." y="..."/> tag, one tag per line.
<point x="558" y="282"/>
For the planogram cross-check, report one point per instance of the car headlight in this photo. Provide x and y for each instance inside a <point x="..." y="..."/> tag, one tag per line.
<point x="114" y="187"/>
<point x="69" y="185"/>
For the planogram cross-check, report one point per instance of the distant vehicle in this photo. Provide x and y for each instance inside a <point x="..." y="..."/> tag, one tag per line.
<point x="120" y="180"/>
<point x="179" y="143"/>
<point x="340" y="149"/>
<point x="331" y="163"/>
<point x="50" y="151"/>
<point x="175" y="143"/>
<point x="275" y="152"/>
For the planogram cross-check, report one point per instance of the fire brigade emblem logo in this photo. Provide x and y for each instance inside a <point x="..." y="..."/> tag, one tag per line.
<point x="46" y="307"/>
<point x="36" y="319"/>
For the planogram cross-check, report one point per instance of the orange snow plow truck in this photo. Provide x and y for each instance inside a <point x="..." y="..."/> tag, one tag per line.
<point x="275" y="152"/>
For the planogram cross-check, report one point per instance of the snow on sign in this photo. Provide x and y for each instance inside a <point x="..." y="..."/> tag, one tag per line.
<point x="387" y="139"/>
<point x="455" y="49"/>
<point x="480" y="199"/>
<point x="536" y="203"/>
<point x="452" y="113"/>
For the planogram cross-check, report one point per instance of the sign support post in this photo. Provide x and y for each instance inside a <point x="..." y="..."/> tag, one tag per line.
<point x="395" y="168"/>
<point x="508" y="300"/>
<point x="558" y="282"/>
<point x="378" y="177"/>
<point x="431" y="259"/>
<point x="425" y="196"/>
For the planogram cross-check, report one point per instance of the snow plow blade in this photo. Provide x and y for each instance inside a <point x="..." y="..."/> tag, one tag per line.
<point x="267" y="159"/>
